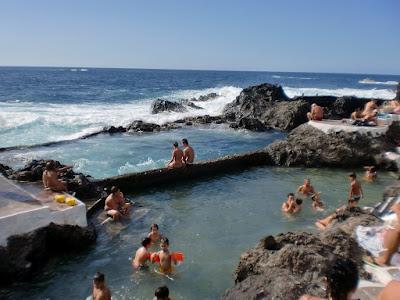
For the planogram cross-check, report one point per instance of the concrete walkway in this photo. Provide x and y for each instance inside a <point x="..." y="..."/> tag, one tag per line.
<point x="26" y="207"/>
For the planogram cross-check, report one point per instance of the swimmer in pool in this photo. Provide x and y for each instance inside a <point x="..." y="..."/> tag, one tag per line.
<point x="316" y="201"/>
<point x="154" y="234"/>
<point x="100" y="289"/>
<point x="370" y="173"/>
<point x="162" y="293"/>
<point x="291" y="205"/>
<point x="142" y="254"/>
<point x="166" y="259"/>
<point x="306" y="189"/>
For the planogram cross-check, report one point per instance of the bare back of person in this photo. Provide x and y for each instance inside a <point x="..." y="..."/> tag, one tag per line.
<point x="177" y="159"/>
<point x="188" y="155"/>
<point x="51" y="181"/>
<point x="355" y="189"/>
<point x="101" y="293"/>
<point x="141" y="257"/>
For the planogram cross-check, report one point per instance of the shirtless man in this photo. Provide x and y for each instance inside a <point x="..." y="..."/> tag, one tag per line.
<point x="100" y="290"/>
<point x="357" y="114"/>
<point x="290" y="205"/>
<point x="316" y="201"/>
<point x="154" y="234"/>
<point x="115" y="205"/>
<point x="316" y="114"/>
<point x="370" y="111"/>
<point x="370" y="173"/>
<point x="162" y="293"/>
<point x="177" y="157"/>
<point x="50" y="177"/>
<point x="306" y="189"/>
<point x="188" y="152"/>
<point x="142" y="254"/>
<point x="322" y="224"/>
<point x="166" y="259"/>
<point x="355" y="192"/>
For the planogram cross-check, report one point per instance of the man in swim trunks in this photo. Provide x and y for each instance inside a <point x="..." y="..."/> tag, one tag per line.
<point x="177" y="157"/>
<point x="162" y="293"/>
<point x="154" y="234"/>
<point x="306" y="189"/>
<point x="100" y="290"/>
<point x="316" y="113"/>
<point x="356" y="192"/>
<point x="50" y="177"/>
<point x="115" y="205"/>
<point x="188" y="152"/>
<point x="166" y="259"/>
<point x="351" y="205"/>
<point x="142" y="254"/>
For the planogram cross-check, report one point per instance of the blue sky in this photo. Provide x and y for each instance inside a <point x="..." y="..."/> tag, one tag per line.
<point x="356" y="36"/>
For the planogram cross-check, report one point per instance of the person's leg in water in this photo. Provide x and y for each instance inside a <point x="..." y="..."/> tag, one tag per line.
<point x="114" y="214"/>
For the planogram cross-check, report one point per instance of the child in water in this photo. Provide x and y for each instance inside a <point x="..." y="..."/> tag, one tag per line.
<point x="166" y="259"/>
<point x="317" y="204"/>
<point x="370" y="173"/>
<point x="154" y="234"/>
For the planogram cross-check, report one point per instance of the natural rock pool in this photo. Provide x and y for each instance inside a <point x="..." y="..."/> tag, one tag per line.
<point x="212" y="221"/>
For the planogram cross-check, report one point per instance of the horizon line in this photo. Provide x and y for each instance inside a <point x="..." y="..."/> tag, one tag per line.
<point x="188" y="69"/>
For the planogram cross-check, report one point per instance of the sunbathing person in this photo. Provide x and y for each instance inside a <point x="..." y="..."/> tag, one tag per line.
<point x="370" y="173"/>
<point x="316" y="113"/>
<point x="391" y="240"/>
<point x="338" y="214"/>
<point x="355" y="192"/>
<point x="50" y="177"/>
<point x="306" y="189"/>
<point x="317" y="204"/>
<point x="291" y="205"/>
<point x="142" y="255"/>
<point x="369" y="107"/>
<point x="357" y="114"/>
<point x="391" y="291"/>
<point x="188" y="152"/>
<point x="177" y="157"/>
<point x="154" y="234"/>
<point x="341" y="275"/>
<point x="115" y="204"/>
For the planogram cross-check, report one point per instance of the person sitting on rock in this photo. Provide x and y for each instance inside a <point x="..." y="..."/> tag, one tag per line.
<point x="341" y="276"/>
<point x="316" y="113"/>
<point x="317" y="204"/>
<point x="391" y="240"/>
<point x="115" y="205"/>
<point x="291" y="206"/>
<point x="306" y="189"/>
<point x="142" y="255"/>
<point x="188" y="152"/>
<point x="370" y="173"/>
<point x="162" y="293"/>
<point x="351" y="206"/>
<point x="177" y="157"/>
<point x="391" y="291"/>
<point x="100" y="289"/>
<point x="357" y="114"/>
<point x="370" y="112"/>
<point x="50" y="177"/>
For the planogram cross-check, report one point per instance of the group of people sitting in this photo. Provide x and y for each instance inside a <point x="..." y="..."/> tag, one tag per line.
<point x="181" y="157"/>
<point x="366" y="116"/>
<point x="293" y="205"/>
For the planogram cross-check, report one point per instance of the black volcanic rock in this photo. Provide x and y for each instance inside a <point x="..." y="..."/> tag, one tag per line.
<point x="164" y="105"/>
<point x="140" y="126"/>
<point x="26" y="254"/>
<point x="250" y="124"/>
<point x="207" y="97"/>
<point x="288" y="265"/>
<point x="311" y="147"/>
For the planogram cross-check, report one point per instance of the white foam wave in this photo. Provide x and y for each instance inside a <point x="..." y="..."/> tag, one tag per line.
<point x="148" y="164"/>
<point x="292" y="77"/>
<point x="371" y="81"/>
<point x="56" y="122"/>
<point x="372" y="93"/>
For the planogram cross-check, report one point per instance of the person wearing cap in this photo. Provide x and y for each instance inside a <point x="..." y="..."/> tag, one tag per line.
<point x="177" y="157"/>
<point x="100" y="289"/>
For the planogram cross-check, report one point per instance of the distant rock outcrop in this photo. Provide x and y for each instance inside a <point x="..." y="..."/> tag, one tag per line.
<point x="288" y="265"/>
<point x="164" y="105"/>
<point x="397" y="92"/>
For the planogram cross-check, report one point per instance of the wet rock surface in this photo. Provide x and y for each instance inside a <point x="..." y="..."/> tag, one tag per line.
<point x="78" y="183"/>
<point x="25" y="254"/>
<point x="164" y="105"/>
<point x="269" y="104"/>
<point x="207" y="97"/>
<point x="310" y="147"/>
<point x="288" y="265"/>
